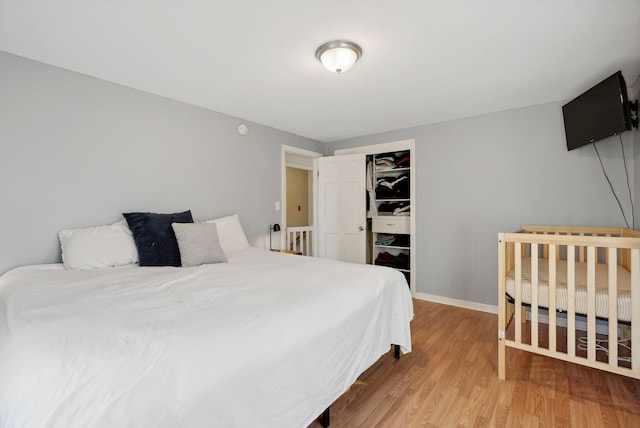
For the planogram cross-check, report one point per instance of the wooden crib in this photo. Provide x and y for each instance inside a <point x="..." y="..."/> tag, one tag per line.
<point x="586" y="281"/>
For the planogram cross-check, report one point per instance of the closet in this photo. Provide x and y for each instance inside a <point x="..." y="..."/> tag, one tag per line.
<point x="390" y="204"/>
<point x="390" y="210"/>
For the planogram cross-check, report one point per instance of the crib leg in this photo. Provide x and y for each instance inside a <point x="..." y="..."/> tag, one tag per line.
<point x="506" y="314"/>
<point x="396" y="352"/>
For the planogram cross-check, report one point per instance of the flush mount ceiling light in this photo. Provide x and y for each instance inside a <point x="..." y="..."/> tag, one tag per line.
<point x="339" y="55"/>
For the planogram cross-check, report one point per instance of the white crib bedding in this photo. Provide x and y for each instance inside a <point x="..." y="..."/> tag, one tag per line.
<point x="267" y="340"/>
<point x="602" y="283"/>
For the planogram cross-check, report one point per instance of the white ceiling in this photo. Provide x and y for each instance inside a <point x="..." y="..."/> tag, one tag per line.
<point x="423" y="61"/>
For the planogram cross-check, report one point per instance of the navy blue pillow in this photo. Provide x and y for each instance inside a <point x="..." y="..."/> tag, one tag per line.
<point x="154" y="237"/>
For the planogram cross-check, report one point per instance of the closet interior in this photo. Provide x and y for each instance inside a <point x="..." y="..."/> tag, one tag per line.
<point x="389" y="210"/>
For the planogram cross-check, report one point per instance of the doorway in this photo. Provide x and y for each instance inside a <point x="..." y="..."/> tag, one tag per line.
<point x="299" y="196"/>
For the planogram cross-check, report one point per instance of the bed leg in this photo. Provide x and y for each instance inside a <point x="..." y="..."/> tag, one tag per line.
<point x="324" y="418"/>
<point x="396" y="352"/>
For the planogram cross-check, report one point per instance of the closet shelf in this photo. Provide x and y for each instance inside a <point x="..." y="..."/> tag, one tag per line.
<point x="382" y="171"/>
<point x="391" y="246"/>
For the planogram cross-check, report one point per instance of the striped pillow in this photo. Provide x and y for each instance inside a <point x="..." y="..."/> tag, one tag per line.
<point x="198" y="243"/>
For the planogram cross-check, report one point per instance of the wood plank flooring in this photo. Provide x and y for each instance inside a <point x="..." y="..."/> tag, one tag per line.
<point x="450" y="380"/>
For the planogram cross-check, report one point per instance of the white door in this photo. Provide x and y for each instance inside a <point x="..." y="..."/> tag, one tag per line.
<point x="342" y="208"/>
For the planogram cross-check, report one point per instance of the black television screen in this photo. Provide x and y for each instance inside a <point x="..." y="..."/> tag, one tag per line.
<point x="600" y="112"/>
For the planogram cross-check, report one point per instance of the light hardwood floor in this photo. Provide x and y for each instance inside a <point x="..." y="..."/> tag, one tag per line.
<point x="450" y="380"/>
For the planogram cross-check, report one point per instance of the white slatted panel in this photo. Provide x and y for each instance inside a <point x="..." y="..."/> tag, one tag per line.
<point x="300" y="239"/>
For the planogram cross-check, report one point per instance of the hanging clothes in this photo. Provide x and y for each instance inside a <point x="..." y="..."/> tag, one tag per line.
<point x="372" y="210"/>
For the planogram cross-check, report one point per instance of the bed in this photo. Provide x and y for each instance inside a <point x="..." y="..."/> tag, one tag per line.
<point x="579" y="287"/>
<point x="267" y="339"/>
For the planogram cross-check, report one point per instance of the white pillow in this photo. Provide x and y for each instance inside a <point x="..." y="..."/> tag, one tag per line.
<point x="230" y="233"/>
<point x="98" y="246"/>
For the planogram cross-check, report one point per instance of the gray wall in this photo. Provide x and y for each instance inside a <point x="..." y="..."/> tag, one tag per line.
<point x="78" y="151"/>
<point x="482" y="175"/>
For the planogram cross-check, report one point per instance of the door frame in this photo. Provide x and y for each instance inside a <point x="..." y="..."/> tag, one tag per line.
<point x="283" y="188"/>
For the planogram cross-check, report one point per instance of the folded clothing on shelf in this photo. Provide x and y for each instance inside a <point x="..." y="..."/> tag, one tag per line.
<point x="400" y="261"/>
<point x="393" y="187"/>
<point x="403" y="161"/>
<point x="395" y="208"/>
<point x="393" y="161"/>
<point x="392" y="240"/>
<point x="385" y="162"/>
<point x="384" y="239"/>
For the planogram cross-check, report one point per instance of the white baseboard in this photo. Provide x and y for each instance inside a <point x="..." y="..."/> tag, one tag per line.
<point x="456" y="302"/>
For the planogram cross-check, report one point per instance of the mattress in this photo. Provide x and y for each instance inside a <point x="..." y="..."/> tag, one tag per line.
<point x="267" y="340"/>
<point x="602" y="283"/>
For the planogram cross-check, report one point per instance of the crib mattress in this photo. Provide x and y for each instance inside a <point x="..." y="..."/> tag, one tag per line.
<point x="602" y="284"/>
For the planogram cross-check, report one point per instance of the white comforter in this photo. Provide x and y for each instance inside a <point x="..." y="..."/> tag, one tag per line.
<point x="266" y="340"/>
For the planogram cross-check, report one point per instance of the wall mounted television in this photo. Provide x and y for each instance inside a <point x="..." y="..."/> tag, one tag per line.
<point x="600" y="112"/>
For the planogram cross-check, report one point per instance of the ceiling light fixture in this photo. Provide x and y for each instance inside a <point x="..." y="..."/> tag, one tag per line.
<point x="339" y="55"/>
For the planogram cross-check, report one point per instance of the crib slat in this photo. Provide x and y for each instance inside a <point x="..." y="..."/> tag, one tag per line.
<point x="612" y="262"/>
<point x="635" y="309"/>
<point x="553" y="253"/>
<point x="571" y="302"/>
<point x="591" y="303"/>
<point x="581" y="252"/>
<point x="518" y="293"/>
<point x="534" y="295"/>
